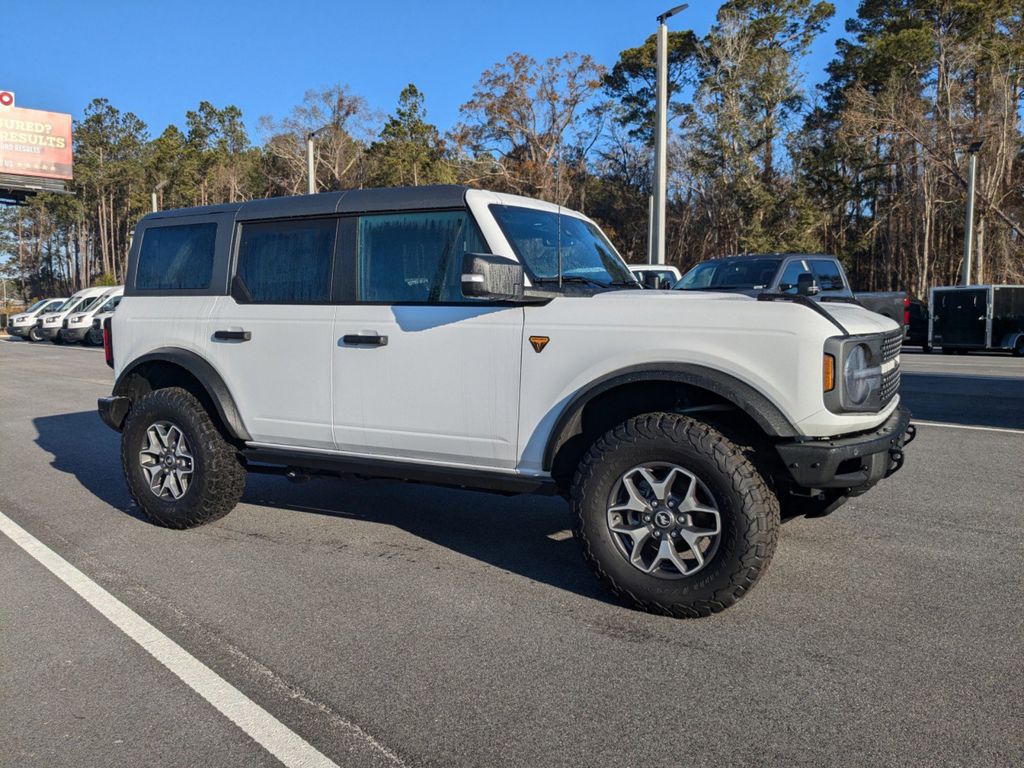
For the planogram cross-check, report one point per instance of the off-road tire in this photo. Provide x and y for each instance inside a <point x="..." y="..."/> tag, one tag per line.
<point x="218" y="477"/>
<point x="749" y="514"/>
<point x="34" y="334"/>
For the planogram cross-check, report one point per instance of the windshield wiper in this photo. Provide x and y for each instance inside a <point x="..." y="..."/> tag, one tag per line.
<point x="570" y="279"/>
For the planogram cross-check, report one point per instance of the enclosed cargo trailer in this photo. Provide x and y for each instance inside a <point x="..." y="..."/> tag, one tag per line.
<point x="978" y="317"/>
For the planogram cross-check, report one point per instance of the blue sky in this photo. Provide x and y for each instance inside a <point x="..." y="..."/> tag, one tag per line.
<point x="159" y="59"/>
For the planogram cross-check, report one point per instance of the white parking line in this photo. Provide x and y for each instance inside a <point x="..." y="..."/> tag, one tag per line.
<point x="262" y="727"/>
<point x="967" y="426"/>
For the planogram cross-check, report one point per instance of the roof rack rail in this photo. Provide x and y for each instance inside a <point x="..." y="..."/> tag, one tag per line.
<point x="805" y="302"/>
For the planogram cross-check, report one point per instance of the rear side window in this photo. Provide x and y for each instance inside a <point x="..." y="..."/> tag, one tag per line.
<point x="416" y="258"/>
<point x="287" y="262"/>
<point x="827" y="274"/>
<point x="176" y="258"/>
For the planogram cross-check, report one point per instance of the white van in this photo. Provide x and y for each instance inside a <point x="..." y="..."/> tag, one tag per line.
<point x="54" y="322"/>
<point x="24" y="324"/>
<point x="77" y="327"/>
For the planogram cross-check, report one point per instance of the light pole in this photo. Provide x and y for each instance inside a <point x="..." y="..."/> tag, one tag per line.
<point x="156" y="189"/>
<point x="657" y="249"/>
<point x="972" y="169"/>
<point x="310" y="160"/>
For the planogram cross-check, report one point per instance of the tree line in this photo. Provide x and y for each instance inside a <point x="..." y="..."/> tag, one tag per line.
<point x="870" y="165"/>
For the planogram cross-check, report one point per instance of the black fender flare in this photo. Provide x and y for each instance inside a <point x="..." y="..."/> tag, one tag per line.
<point x="740" y="394"/>
<point x="203" y="372"/>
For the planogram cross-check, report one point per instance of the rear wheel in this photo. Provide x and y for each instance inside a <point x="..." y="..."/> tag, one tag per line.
<point x="179" y="468"/>
<point x="672" y="517"/>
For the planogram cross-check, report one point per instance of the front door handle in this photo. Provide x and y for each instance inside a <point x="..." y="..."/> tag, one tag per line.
<point x="364" y="339"/>
<point x="232" y="335"/>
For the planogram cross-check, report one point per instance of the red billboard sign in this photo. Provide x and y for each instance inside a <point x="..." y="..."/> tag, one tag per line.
<point x="35" y="143"/>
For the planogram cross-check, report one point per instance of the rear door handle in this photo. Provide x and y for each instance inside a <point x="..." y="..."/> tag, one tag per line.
<point x="232" y="335"/>
<point x="364" y="339"/>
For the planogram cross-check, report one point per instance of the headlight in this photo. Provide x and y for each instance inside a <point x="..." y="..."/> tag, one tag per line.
<point x="860" y="378"/>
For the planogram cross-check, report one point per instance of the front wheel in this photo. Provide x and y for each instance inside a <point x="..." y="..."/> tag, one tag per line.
<point x="672" y="517"/>
<point x="93" y="338"/>
<point x="179" y="468"/>
<point x="34" y="334"/>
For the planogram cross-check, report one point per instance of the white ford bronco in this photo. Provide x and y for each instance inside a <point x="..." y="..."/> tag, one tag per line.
<point x="466" y="338"/>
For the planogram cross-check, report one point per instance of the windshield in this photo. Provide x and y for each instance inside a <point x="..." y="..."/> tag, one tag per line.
<point x="537" y="236"/>
<point x="751" y="274"/>
<point x="37" y="305"/>
<point x="88" y="304"/>
<point x="70" y="304"/>
<point x="110" y="305"/>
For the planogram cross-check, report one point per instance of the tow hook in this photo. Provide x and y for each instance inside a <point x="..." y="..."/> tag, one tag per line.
<point x="910" y="434"/>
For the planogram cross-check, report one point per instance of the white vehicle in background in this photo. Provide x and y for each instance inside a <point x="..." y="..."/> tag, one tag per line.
<point x="656" y="276"/>
<point x="24" y="325"/>
<point x="95" y="335"/>
<point x="78" y="326"/>
<point x="52" y="324"/>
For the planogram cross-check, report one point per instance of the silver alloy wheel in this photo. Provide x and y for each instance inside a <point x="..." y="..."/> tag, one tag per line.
<point x="664" y="520"/>
<point x="167" y="460"/>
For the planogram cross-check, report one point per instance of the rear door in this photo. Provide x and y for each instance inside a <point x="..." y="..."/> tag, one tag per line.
<point x="272" y="338"/>
<point x="961" y="316"/>
<point x="421" y="373"/>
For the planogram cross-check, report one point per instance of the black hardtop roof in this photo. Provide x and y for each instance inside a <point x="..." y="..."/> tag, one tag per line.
<point x="346" y="201"/>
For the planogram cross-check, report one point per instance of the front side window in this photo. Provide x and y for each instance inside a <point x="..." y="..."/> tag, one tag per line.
<point x="176" y="258"/>
<point x="416" y="258"/>
<point x="544" y="239"/>
<point x="828" y="275"/>
<point x="788" y="283"/>
<point x="287" y="262"/>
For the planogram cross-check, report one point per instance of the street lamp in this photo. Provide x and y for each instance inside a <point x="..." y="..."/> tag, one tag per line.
<point x="156" y="189"/>
<point x="310" y="164"/>
<point x="972" y="169"/>
<point x="657" y="250"/>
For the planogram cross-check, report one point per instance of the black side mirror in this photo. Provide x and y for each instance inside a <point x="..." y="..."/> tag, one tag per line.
<point x="651" y="280"/>
<point x="486" y="276"/>
<point x="806" y="285"/>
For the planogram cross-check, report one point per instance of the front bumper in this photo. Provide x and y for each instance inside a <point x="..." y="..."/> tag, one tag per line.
<point x="18" y="330"/>
<point x="856" y="462"/>
<point x="50" y="331"/>
<point x="74" y="334"/>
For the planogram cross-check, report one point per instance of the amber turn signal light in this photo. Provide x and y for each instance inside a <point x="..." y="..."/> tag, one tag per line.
<point x="828" y="373"/>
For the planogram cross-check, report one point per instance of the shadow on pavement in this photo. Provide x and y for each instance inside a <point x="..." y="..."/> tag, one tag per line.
<point x="986" y="401"/>
<point x="524" y="534"/>
<point x="82" y="446"/>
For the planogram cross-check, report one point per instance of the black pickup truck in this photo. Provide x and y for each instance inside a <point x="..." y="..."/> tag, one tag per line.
<point x="815" y="275"/>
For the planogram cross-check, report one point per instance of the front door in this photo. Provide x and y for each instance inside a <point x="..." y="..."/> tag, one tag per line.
<point x="420" y="373"/>
<point x="272" y="339"/>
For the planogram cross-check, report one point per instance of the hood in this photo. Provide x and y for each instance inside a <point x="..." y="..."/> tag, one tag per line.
<point x="857" y="319"/>
<point x="713" y="308"/>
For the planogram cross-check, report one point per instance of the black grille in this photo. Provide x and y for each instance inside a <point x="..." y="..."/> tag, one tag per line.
<point x="64" y="324"/>
<point x="890" y="385"/>
<point x="891" y="346"/>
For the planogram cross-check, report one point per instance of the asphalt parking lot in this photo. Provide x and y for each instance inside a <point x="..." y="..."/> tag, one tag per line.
<point x="391" y="625"/>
